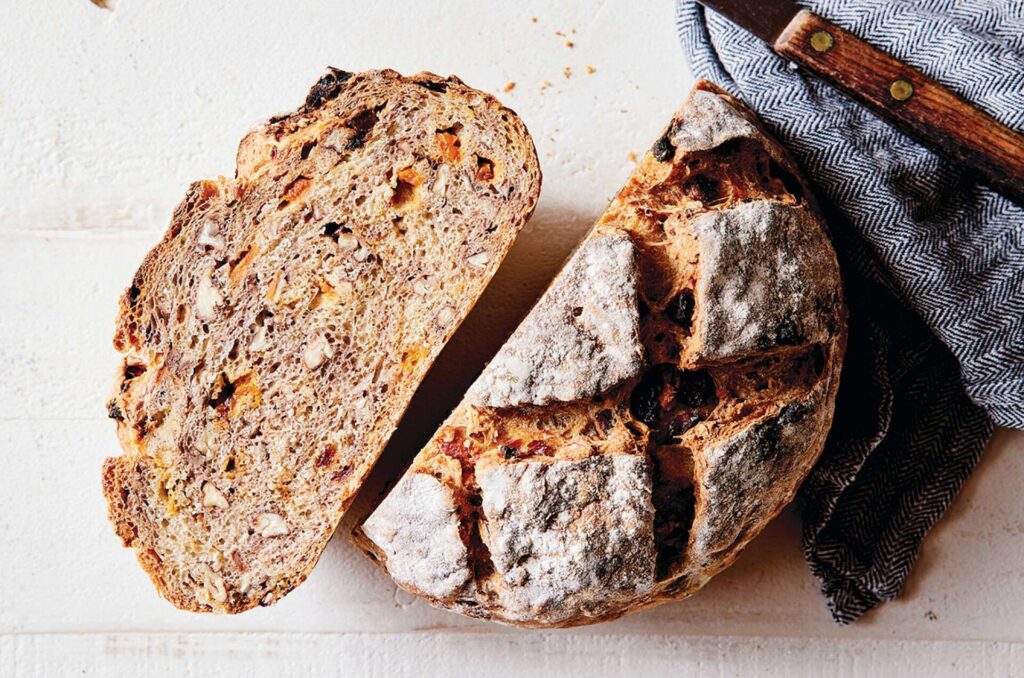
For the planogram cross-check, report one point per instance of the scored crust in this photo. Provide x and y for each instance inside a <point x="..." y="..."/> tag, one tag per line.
<point x="658" y="406"/>
<point x="276" y="334"/>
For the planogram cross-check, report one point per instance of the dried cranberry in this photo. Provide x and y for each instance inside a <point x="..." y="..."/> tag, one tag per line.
<point x="538" y="447"/>
<point x="114" y="412"/>
<point x="693" y="389"/>
<point x="663" y="150"/>
<point x="327" y="87"/>
<point x="645" y="401"/>
<point x="453" y="447"/>
<point x="326" y="457"/>
<point x="680" y="309"/>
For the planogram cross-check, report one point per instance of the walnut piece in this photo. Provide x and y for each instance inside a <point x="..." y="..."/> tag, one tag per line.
<point x="208" y="297"/>
<point x="212" y="497"/>
<point x="271" y="525"/>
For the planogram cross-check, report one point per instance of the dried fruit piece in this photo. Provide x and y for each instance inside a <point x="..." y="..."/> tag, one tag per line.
<point x="693" y="389"/>
<point x="450" y="145"/>
<point x="680" y="309"/>
<point x="327" y="87"/>
<point x="664" y="388"/>
<point x="663" y="150"/>
<point x="484" y="169"/>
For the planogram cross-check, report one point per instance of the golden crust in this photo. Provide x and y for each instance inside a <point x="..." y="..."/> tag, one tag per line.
<point x="732" y="410"/>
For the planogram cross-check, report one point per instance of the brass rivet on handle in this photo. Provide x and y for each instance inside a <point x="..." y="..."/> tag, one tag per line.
<point x="821" y="41"/>
<point x="901" y="90"/>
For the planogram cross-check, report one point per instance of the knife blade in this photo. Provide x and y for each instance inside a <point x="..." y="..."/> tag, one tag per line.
<point x="910" y="100"/>
<point x="767" y="23"/>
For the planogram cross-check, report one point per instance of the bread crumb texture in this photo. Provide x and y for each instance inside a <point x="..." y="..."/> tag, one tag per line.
<point x="276" y="334"/>
<point x="658" y="406"/>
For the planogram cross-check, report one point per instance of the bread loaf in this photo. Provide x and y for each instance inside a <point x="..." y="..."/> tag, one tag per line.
<point x="274" y="337"/>
<point x="657" y="407"/>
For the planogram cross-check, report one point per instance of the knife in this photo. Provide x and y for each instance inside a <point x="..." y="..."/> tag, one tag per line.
<point x="910" y="100"/>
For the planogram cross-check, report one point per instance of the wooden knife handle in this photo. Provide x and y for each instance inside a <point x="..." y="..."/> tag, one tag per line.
<point x="915" y="103"/>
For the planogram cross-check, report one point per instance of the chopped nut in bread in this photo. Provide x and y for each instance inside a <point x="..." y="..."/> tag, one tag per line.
<point x="276" y="334"/>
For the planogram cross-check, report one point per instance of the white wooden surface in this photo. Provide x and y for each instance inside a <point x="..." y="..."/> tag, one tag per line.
<point x="106" y="115"/>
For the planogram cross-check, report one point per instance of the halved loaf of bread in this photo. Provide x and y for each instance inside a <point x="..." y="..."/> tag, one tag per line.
<point x="275" y="336"/>
<point x="658" y="406"/>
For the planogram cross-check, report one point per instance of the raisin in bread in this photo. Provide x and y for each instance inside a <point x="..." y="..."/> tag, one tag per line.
<point x="274" y="337"/>
<point x="656" y="408"/>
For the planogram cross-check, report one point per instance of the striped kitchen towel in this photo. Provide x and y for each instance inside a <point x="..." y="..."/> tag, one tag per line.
<point x="933" y="264"/>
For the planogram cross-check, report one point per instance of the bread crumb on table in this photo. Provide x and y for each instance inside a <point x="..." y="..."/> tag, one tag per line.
<point x="567" y="72"/>
<point x="591" y="69"/>
<point x="509" y="86"/>
<point x="631" y="156"/>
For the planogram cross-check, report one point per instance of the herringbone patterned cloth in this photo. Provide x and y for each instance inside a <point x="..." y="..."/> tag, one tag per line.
<point x="934" y="272"/>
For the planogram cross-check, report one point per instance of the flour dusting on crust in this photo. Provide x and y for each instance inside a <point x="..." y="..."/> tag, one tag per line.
<point x="586" y="494"/>
<point x="579" y="340"/>
<point x="766" y="273"/>
<point x="709" y="121"/>
<point x="417" y="527"/>
<point x="738" y="476"/>
<point x="567" y="537"/>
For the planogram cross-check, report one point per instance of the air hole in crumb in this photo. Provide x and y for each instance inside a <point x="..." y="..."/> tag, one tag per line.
<point x="223" y="391"/>
<point x="433" y="86"/>
<point x="705" y="189"/>
<point x="331" y="230"/>
<point x="729" y="147"/>
<point x="306" y="149"/>
<point x="405" y="191"/>
<point x="577" y="311"/>
<point x="484" y="169"/>
<point x="818" y="360"/>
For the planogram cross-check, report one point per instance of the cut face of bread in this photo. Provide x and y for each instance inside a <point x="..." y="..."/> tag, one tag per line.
<point x="275" y="336"/>
<point x="658" y="406"/>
